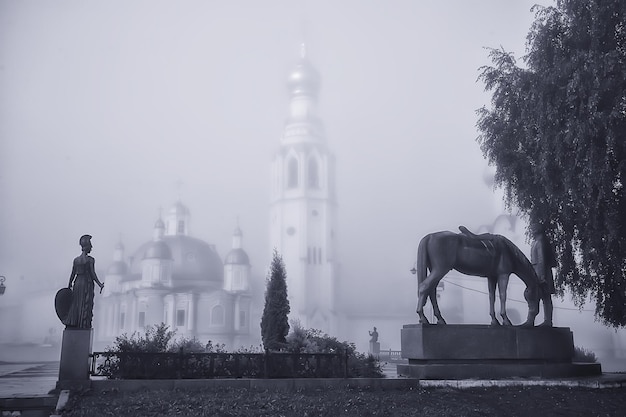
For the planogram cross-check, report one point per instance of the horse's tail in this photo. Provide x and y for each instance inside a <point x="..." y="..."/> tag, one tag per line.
<point x="422" y="263"/>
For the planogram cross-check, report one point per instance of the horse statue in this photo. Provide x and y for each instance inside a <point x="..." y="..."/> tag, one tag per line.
<point x="487" y="255"/>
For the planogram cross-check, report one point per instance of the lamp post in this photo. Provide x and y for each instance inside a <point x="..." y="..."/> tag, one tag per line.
<point x="2" y="287"/>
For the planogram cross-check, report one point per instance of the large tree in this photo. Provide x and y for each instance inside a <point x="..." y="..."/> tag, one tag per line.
<point x="274" y="323"/>
<point x="556" y="133"/>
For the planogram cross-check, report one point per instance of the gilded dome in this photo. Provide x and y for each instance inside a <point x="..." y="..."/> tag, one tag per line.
<point x="303" y="79"/>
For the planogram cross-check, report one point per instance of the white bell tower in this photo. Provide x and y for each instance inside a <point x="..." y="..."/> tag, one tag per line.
<point x="303" y="205"/>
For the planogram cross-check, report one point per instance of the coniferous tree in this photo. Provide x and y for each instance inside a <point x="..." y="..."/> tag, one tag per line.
<point x="556" y="132"/>
<point x="274" y="323"/>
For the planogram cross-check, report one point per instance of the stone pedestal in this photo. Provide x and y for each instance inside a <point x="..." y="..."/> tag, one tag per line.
<point x="489" y="352"/>
<point x="75" y="351"/>
<point x="375" y="348"/>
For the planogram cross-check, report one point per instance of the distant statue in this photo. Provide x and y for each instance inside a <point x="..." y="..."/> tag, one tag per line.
<point x="374" y="335"/>
<point x="543" y="258"/>
<point x="81" y="283"/>
<point x="487" y="255"/>
<point x="374" y="345"/>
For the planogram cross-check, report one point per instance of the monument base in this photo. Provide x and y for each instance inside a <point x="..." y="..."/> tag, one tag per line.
<point x="489" y="352"/>
<point x="374" y="348"/>
<point x="75" y="351"/>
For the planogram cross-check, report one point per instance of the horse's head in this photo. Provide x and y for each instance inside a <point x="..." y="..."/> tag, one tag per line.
<point x="522" y="267"/>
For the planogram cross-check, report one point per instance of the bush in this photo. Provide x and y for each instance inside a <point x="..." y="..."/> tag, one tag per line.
<point x="360" y="365"/>
<point x="156" y="339"/>
<point x="188" y="345"/>
<point x="583" y="355"/>
<point x="217" y="348"/>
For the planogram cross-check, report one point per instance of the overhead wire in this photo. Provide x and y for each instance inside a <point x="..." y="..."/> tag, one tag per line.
<point x="511" y="299"/>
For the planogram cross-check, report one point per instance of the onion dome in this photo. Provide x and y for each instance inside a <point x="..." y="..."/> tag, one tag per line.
<point x="157" y="250"/>
<point x="237" y="256"/>
<point x="304" y="78"/>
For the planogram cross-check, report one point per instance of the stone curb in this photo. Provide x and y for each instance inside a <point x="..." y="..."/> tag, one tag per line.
<point x="253" y="384"/>
<point x="606" y="381"/>
<point x="463" y="384"/>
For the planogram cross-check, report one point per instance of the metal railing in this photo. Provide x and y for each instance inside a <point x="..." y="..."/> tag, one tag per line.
<point x="390" y="355"/>
<point x="182" y="365"/>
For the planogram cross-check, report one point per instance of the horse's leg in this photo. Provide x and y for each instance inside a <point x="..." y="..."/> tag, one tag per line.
<point x="435" y="304"/>
<point x="421" y="302"/>
<point x="491" y="281"/>
<point x="533" y="306"/>
<point x="423" y="290"/>
<point x="503" y="283"/>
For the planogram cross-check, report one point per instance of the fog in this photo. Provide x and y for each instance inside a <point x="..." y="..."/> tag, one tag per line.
<point x="112" y="110"/>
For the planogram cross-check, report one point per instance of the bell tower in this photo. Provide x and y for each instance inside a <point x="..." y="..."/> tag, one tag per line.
<point x="303" y="204"/>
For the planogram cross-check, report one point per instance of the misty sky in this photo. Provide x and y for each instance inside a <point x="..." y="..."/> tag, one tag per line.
<point x="106" y="106"/>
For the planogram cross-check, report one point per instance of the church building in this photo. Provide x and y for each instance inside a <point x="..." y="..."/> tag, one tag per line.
<point x="181" y="281"/>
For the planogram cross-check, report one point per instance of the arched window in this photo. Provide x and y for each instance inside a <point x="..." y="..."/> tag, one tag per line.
<point x="292" y="173"/>
<point x="217" y="315"/>
<point x="313" y="174"/>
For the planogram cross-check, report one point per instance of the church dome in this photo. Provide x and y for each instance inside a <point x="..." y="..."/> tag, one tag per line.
<point x="237" y="256"/>
<point x="304" y="78"/>
<point x="157" y="250"/>
<point x="194" y="261"/>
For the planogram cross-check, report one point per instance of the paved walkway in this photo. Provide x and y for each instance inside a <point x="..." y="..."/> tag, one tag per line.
<point x="28" y="379"/>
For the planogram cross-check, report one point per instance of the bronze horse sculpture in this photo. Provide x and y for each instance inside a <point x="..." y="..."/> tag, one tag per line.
<point x="488" y="255"/>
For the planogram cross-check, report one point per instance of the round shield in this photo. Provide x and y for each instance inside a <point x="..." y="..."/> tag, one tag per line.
<point x="62" y="303"/>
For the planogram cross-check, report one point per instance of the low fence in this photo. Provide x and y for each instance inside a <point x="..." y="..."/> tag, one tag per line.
<point x="390" y="355"/>
<point x="182" y="365"/>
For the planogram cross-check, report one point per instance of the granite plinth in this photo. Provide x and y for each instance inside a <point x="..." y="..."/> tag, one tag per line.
<point x="489" y="352"/>
<point x="75" y="350"/>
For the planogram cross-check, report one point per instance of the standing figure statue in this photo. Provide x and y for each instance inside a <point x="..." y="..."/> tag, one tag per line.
<point x="374" y="335"/>
<point x="543" y="259"/>
<point x="81" y="283"/>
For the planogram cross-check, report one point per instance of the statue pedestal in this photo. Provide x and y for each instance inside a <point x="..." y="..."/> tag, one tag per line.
<point x="457" y="351"/>
<point x="375" y="348"/>
<point x="75" y="351"/>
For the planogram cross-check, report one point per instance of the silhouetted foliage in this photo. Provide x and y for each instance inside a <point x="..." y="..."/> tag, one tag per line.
<point x="556" y="132"/>
<point x="274" y="322"/>
<point x="360" y="365"/>
<point x="584" y="355"/>
<point x="190" y="345"/>
<point x="156" y="339"/>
